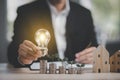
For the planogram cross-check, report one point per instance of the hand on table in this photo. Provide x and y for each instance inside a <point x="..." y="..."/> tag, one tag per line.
<point x="28" y="52"/>
<point x="85" y="56"/>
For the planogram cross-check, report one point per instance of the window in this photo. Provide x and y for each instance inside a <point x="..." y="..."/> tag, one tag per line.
<point x="105" y="62"/>
<point x="99" y="55"/>
<point x="118" y="62"/>
<point x="118" y="55"/>
<point x="118" y="70"/>
<point x="99" y="70"/>
<point x="112" y="62"/>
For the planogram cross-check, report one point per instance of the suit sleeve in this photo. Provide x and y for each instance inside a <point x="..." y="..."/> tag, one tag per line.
<point x="19" y="36"/>
<point x="91" y="31"/>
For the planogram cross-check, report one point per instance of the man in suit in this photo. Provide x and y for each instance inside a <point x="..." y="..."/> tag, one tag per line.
<point x="70" y="25"/>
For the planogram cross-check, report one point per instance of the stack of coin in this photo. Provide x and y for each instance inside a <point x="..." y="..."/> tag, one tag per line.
<point x="62" y="70"/>
<point x="72" y="71"/>
<point x="79" y="70"/>
<point x="43" y="66"/>
<point x="52" y="68"/>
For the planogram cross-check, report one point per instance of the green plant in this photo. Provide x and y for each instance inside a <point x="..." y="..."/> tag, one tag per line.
<point x="71" y="63"/>
<point x="63" y="60"/>
<point x="53" y="57"/>
<point x="80" y="67"/>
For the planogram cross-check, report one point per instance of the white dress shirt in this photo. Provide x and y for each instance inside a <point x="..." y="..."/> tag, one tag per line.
<point x="59" y="23"/>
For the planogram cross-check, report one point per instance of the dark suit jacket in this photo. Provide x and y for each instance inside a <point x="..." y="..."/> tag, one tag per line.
<point x="36" y="15"/>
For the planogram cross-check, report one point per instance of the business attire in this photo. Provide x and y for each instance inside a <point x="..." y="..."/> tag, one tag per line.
<point x="59" y="25"/>
<point x="79" y="29"/>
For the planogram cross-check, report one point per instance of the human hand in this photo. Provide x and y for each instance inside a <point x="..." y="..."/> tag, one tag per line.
<point x="85" y="56"/>
<point x="28" y="52"/>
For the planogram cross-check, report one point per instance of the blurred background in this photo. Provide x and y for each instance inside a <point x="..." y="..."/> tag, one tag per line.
<point x="105" y="13"/>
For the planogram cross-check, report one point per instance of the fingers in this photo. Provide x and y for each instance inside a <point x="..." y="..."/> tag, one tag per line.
<point x="85" y="56"/>
<point x="38" y="53"/>
<point x="32" y="49"/>
<point x="25" y="50"/>
<point x="22" y="53"/>
<point x="86" y="51"/>
<point x="25" y="61"/>
<point x="31" y="45"/>
<point x="87" y="61"/>
<point x="29" y="51"/>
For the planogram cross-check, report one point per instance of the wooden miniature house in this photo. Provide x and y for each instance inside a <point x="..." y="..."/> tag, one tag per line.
<point x="101" y="60"/>
<point x="115" y="62"/>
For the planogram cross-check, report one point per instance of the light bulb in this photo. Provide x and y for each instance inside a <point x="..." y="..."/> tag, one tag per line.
<point x="42" y="38"/>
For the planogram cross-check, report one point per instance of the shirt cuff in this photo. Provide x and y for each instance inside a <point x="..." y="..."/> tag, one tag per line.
<point x="18" y="58"/>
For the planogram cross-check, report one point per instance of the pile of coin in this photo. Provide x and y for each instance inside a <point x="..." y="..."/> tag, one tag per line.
<point x="43" y="66"/>
<point x="52" y="68"/>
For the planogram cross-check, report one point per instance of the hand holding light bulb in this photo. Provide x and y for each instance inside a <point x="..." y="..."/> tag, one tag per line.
<point x="29" y="52"/>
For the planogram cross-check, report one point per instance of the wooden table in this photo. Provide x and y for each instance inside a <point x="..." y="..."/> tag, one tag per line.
<point x="7" y="73"/>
